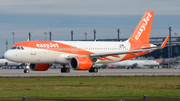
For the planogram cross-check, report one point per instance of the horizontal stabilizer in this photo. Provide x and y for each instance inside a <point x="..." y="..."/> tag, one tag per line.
<point x="158" y="47"/>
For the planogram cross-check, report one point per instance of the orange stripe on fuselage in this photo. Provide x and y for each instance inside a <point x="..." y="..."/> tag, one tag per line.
<point x="53" y="46"/>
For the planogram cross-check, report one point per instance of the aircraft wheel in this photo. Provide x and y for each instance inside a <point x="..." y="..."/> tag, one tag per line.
<point x="90" y="70"/>
<point x="62" y="70"/>
<point x="94" y="69"/>
<point x="65" y="70"/>
<point x="26" y="70"/>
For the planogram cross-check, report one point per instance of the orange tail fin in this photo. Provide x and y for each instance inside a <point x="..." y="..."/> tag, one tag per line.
<point x="142" y="32"/>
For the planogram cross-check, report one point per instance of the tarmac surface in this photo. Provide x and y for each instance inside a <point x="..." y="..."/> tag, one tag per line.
<point x="101" y="72"/>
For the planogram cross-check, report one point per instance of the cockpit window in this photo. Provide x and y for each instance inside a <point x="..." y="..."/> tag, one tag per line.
<point x="22" y="48"/>
<point x="19" y="48"/>
<point x="13" y="48"/>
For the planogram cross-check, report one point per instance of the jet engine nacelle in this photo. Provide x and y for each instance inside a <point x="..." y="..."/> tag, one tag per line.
<point x="39" y="67"/>
<point x="80" y="63"/>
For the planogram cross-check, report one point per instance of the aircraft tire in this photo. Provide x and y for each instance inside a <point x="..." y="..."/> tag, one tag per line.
<point x="93" y="70"/>
<point x="90" y="70"/>
<point x="65" y="70"/>
<point x="26" y="70"/>
<point x="62" y="70"/>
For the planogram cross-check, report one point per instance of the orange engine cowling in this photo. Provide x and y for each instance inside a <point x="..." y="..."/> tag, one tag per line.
<point x="80" y="63"/>
<point x="39" y="67"/>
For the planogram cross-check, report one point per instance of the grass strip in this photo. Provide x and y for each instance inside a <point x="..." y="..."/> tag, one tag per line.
<point x="88" y="87"/>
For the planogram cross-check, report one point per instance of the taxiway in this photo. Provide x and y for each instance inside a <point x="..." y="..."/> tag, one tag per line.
<point x="101" y="72"/>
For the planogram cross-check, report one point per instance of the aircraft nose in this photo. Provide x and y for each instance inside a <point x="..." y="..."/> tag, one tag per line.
<point x="8" y="55"/>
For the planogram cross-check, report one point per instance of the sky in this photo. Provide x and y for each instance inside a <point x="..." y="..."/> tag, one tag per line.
<point x="80" y="16"/>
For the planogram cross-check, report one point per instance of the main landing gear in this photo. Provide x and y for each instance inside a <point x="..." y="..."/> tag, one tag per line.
<point x="26" y="71"/>
<point x="65" y="69"/>
<point x="93" y="70"/>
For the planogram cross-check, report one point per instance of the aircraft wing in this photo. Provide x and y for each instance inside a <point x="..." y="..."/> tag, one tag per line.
<point x="117" y="53"/>
<point x="111" y="53"/>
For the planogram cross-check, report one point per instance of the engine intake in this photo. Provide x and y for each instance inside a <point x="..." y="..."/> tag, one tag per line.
<point x="80" y="63"/>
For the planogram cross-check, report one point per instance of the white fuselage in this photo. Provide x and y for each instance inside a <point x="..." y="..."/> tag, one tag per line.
<point x="58" y="54"/>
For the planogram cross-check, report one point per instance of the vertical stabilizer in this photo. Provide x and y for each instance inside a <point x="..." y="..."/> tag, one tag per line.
<point x="142" y="32"/>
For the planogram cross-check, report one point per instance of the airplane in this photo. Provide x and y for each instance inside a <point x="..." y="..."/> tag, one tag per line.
<point x="131" y="64"/>
<point x="5" y="62"/>
<point x="83" y="55"/>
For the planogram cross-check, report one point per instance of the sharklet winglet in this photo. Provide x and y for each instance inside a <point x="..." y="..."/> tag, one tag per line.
<point x="165" y="41"/>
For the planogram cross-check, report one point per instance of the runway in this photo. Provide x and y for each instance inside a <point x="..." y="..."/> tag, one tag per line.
<point x="101" y="72"/>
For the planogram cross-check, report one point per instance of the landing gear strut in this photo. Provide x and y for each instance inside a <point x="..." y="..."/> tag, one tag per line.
<point x="26" y="70"/>
<point x="93" y="70"/>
